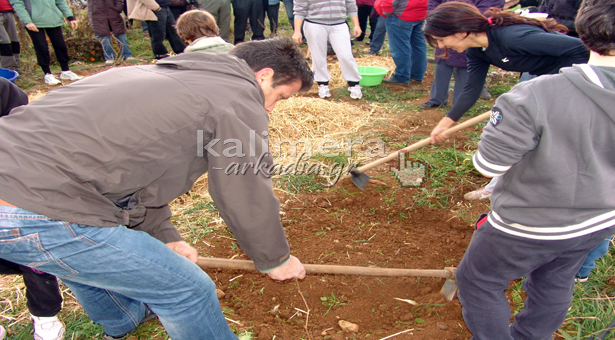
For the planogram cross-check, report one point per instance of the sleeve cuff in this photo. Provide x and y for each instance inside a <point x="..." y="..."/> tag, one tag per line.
<point x="265" y="271"/>
<point x="486" y="168"/>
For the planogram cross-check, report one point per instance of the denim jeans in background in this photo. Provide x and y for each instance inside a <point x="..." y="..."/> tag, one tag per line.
<point x="164" y="28"/>
<point x="288" y="6"/>
<point x="408" y="49"/>
<point x="594" y="254"/>
<point x="108" y="49"/>
<point x="114" y="271"/>
<point x="379" y="35"/>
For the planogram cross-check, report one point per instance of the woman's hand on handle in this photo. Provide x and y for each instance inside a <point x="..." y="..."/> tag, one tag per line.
<point x="436" y="134"/>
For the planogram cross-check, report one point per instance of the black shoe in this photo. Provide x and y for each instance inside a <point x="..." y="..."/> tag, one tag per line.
<point x="372" y="53"/>
<point x="415" y="82"/>
<point x="429" y="105"/>
<point x="393" y="82"/>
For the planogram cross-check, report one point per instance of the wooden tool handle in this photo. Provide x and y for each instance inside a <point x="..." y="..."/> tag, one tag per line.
<point x="425" y="141"/>
<point x="448" y="273"/>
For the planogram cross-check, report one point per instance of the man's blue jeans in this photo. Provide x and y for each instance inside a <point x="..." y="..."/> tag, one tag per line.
<point x="408" y="49"/>
<point x="114" y="271"/>
<point x="107" y="45"/>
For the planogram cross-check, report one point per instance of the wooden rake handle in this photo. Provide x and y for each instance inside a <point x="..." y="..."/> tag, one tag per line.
<point x="447" y="273"/>
<point x="424" y="142"/>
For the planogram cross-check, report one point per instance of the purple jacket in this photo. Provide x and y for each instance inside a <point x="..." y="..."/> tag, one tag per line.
<point x="365" y="2"/>
<point x="456" y="59"/>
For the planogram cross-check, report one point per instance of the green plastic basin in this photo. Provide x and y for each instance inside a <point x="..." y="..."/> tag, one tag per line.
<point x="371" y="75"/>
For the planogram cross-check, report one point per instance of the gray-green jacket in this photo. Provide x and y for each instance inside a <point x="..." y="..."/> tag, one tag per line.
<point x="115" y="148"/>
<point x="43" y="13"/>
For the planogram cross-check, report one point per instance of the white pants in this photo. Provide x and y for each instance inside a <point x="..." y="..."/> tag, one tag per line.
<point x="339" y="36"/>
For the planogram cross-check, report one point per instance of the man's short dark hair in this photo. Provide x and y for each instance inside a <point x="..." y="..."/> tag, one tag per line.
<point x="595" y="24"/>
<point x="280" y="54"/>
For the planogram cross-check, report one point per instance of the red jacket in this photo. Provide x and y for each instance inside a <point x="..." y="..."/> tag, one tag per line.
<point x="407" y="10"/>
<point x="5" y="6"/>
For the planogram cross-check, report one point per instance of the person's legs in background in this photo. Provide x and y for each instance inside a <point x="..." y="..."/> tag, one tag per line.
<point x="461" y="78"/>
<point x="224" y="21"/>
<point x="221" y="10"/>
<point x="157" y="31"/>
<point x="108" y="51"/>
<point x="439" y="88"/>
<point x="272" y="14"/>
<point x="399" y="42"/>
<point x="590" y="261"/>
<point x="257" y="19"/>
<point x="317" y="37"/>
<point x="378" y="38"/>
<point x="419" y="53"/>
<point x="177" y="44"/>
<point x="288" y="7"/>
<point x="41" y="48"/>
<point x="373" y="21"/>
<point x="123" y="44"/>
<point x="363" y="12"/>
<point x="9" y="42"/>
<point x="144" y="28"/>
<point x="43" y="299"/>
<point x="340" y="41"/>
<point x="240" y="10"/>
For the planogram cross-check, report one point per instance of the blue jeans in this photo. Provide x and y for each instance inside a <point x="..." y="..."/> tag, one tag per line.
<point x="114" y="271"/>
<point x="408" y="49"/>
<point x="379" y="35"/>
<point x="107" y="45"/>
<point x="288" y="6"/>
<point x="594" y="254"/>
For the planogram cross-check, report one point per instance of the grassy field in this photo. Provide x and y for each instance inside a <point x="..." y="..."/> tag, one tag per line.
<point x="589" y="316"/>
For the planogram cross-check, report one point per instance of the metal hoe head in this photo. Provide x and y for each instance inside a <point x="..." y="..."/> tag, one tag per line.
<point x="359" y="179"/>
<point x="450" y="286"/>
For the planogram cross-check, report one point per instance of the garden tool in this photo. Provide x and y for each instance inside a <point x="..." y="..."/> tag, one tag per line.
<point x="360" y="179"/>
<point x="448" y="290"/>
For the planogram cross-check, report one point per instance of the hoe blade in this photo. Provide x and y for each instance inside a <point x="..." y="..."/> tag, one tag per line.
<point x="359" y="179"/>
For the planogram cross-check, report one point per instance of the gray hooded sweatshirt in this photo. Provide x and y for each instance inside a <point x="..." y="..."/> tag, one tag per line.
<point x="552" y="140"/>
<point x="117" y="147"/>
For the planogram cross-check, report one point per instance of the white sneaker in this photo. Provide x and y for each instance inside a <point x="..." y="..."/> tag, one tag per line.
<point x="69" y="75"/>
<point x="108" y="62"/>
<point x="50" y="79"/>
<point x="355" y="92"/>
<point x="47" y="328"/>
<point x="478" y="194"/>
<point x="323" y="91"/>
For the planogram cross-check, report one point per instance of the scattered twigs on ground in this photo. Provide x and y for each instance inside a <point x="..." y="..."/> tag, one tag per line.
<point x="307" y="313"/>
<point x="396" y="334"/>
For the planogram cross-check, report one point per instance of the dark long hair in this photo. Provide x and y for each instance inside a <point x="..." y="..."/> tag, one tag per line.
<point x="459" y="17"/>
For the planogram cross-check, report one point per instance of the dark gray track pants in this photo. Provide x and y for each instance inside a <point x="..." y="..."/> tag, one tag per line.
<point x="494" y="258"/>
